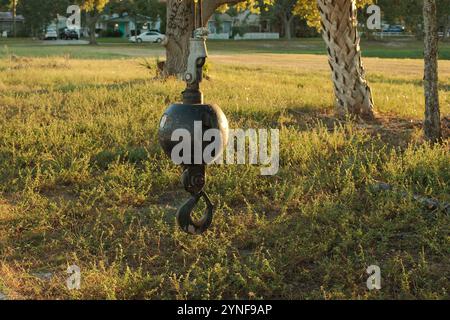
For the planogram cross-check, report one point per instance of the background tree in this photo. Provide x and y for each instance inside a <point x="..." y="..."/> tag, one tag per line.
<point x="4" y="5"/>
<point x="283" y="10"/>
<point x="94" y="9"/>
<point x="40" y="13"/>
<point x="432" y="123"/>
<point x="14" y="12"/>
<point x="132" y="7"/>
<point x="410" y="14"/>
<point x="155" y="9"/>
<point x="407" y="13"/>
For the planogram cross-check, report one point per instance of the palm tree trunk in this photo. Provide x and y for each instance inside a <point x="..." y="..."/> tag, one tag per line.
<point x="339" y="30"/>
<point x="432" y="123"/>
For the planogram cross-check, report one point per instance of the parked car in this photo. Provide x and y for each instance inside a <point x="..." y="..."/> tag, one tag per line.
<point x="148" y="36"/>
<point x="50" y="34"/>
<point x="394" y="29"/>
<point x="69" y="34"/>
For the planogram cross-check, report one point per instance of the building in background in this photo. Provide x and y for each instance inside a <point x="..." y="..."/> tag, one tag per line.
<point x="244" y="25"/>
<point x="126" y="25"/>
<point x="219" y="26"/>
<point x="7" y="21"/>
<point x="114" y="25"/>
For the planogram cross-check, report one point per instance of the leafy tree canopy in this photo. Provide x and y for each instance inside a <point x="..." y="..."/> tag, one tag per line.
<point x="308" y="10"/>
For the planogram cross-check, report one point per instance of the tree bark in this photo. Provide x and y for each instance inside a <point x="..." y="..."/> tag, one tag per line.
<point x="180" y="24"/>
<point x="92" y="18"/>
<point x="339" y="30"/>
<point x="287" y="21"/>
<point x="432" y="123"/>
<point x="14" y="7"/>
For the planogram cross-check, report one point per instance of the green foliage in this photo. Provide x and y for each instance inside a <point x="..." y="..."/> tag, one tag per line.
<point x="5" y="5"/>
<point x="238" y="30"/>
<point x="40" y="13"/>
<point x="410" y="14"/>
<point x="280" y="10"/>
<point x="308" y="10"/>
<point x="151" y="8"/>
<point x="92" y="5"/>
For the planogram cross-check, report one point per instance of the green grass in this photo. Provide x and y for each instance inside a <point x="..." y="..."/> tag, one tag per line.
<point x="393" y="48"/>
<point x="102" y="51"/>
<point x="83" y="181"/>
<point x="112" y="48"/>
<point x="113" y="40"/>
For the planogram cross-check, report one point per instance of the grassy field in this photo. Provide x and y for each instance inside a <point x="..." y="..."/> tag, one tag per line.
<point x="112" y="48"/>
<point x="83" y="181"/>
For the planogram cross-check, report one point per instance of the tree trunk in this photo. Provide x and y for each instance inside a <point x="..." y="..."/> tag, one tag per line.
<point x="179" y="27"/>
<point x="339" y="30"/>
<point x="14" y="6"/>
<point x="92" y="18"/>
<point x="180" y="23"/>
<point x="287" y="27"/>
<point x="432" y="123"/>
<point x="135" y="28"/>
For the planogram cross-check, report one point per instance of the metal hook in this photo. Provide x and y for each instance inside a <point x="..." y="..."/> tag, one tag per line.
<point x="184" y="215"/>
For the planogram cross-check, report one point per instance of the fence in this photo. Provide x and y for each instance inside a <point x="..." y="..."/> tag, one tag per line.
<point x="219" y="36"/>
<point x="382" y="35"/>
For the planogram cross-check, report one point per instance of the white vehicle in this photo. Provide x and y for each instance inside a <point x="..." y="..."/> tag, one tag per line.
<point x="50" y="34"/>
<point x="148" y="36"/>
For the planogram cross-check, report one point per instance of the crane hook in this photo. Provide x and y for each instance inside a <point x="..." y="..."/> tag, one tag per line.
<point x="193" y="180"/>
<point x="184" y="116"/>
<point x="184" y="218"/>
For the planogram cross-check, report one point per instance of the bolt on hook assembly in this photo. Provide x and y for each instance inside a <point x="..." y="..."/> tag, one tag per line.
<point x="185" y="115"/>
